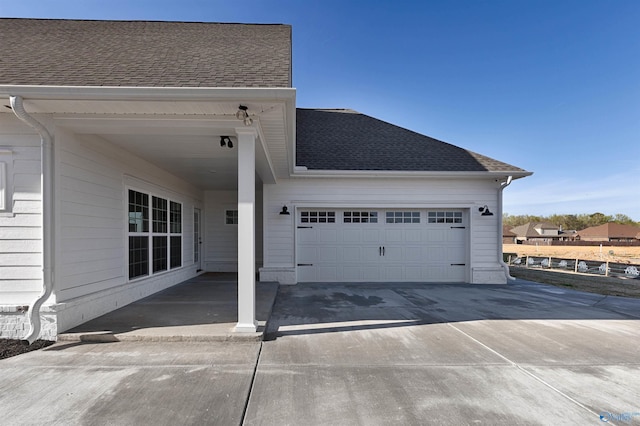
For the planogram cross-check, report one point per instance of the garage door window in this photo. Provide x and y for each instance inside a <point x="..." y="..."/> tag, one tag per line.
<point x="444" y="217"/>
<point x="318" y="217"/>
<point x="360" y="217"/>
<point x="403" y="217"/>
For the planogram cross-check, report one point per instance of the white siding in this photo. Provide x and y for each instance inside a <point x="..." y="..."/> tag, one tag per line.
<point x="221" y="240"/>
<point x="91" y="182"/>
<point x="279" y="235"/>
<point x="20" y="224"/>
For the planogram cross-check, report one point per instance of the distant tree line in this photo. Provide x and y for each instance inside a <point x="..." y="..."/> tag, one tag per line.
<point x="576" y="222"/>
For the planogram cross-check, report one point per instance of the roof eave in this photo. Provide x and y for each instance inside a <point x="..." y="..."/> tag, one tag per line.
<point x="146" y="93"/>
<point x="170" y="95"/>
<point x="303" y="172"/>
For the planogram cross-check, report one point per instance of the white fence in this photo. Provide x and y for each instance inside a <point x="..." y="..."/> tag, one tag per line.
<point x="593" y="267"/>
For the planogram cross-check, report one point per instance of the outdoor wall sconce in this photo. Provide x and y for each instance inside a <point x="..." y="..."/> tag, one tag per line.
<point x="226" y="141"/>
<point x="243" y="115"/>
<point x="285" y="211"/>
<point x="485" y="211"/>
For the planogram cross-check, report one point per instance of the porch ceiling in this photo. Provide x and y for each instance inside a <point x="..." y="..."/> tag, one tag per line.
<point x="199" y="160"/>
<point x="175" y="129"/>
<point x="185" y="146"/>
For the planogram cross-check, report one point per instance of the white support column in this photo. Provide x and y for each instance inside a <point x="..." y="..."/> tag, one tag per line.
<point x="246" y="230"/>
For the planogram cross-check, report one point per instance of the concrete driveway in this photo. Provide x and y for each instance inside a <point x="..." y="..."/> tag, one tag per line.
<point x="367" y="354"/>
<point x="128" y="383"/>
<point x="447" y="354"/>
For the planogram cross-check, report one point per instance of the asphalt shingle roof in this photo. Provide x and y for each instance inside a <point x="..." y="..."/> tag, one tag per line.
<point x="610" y="230"/>
<point x="529" y="229"/>
<point x="343" y="139"/>
<point x="143" y="53"/>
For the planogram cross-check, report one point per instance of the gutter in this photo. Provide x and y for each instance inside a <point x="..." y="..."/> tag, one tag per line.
<point x="303" y="172"/>
<point x="503" y="185"/>
<point x="46" y="182"/>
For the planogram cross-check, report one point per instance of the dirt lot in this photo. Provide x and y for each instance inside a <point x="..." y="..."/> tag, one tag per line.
<point x="611" y="254"/>
<point x="13" y="347"/>
<point x="607" y="286"/>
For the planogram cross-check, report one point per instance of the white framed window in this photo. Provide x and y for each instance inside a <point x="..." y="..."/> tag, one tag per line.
<point x="444" y="217"/>
<point x="403" y="217"/>
<point x="231" y="217"/>
<point x="318" y="217"/>
<point x="359" y="217"/>
<point x="155" y="234"/>
<point x="3" y="187"/>
<point x="6" y="173"/>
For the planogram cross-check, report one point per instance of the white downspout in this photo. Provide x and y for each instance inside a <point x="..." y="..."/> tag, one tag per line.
<point x="503" y="185"/>
<point x="46" y="182"/>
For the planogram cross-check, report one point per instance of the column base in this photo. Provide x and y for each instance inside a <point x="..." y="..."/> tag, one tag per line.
<point x="245" y="328"/>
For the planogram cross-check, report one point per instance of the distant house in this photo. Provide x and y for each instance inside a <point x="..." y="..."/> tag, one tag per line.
<point x="508" y="237"/>
<point x="541" y="232"/>
<point x="610" y="232"/>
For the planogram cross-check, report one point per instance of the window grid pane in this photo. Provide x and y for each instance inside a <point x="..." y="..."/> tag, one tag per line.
<point x="159" y="254"/>
<point x="231" y="217"/>
<point x="318" y="217"/>
<point x="138" y="256"/>
<point x="360" y="217"/>
<point x="403" y="217"/>
<point x="175" y="217"/>
<point x="196" y="237"/>
<point x="138" y="212"/>
<point x="176" y="252"/>
<point x="159" y="211"/>
<point x="444" y="217"/>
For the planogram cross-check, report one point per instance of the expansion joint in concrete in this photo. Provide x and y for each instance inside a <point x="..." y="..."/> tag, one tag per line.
<point x="251" y="385"/>
<point x="527" y="372"/>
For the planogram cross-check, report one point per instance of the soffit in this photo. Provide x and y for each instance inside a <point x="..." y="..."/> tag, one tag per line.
<point x="181" y="136"/>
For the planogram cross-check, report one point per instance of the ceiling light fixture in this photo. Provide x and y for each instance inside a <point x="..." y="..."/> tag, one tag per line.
<point x="243" y="115"/>
<point x="226" y="141"/>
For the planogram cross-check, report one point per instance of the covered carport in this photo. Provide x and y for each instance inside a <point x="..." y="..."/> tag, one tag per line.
<point x="179" y="131"/>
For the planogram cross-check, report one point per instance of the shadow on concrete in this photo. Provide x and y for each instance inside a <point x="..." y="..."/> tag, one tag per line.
<point x="204" y="308"/>
<point x="318" y="308"/>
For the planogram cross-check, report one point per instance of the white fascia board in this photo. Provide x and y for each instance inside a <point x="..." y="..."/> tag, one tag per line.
<point x="382" y="204"/>
<point x="298" y="172"/>
<point x="149" y="93"/>
<point x="291" y="134"/>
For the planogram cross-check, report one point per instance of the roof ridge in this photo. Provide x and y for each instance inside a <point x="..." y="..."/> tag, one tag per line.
<point x="331" y="109"/>
<point x="142" y="20"/>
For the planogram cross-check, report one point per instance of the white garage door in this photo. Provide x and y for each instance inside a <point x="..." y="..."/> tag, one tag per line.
<point x="353" y="245"/>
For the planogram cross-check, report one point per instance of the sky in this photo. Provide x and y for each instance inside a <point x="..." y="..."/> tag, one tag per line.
<point x="552" y="87"/>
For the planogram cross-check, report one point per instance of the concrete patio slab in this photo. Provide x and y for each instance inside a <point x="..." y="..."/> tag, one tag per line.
<point x="204" y="308"/>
